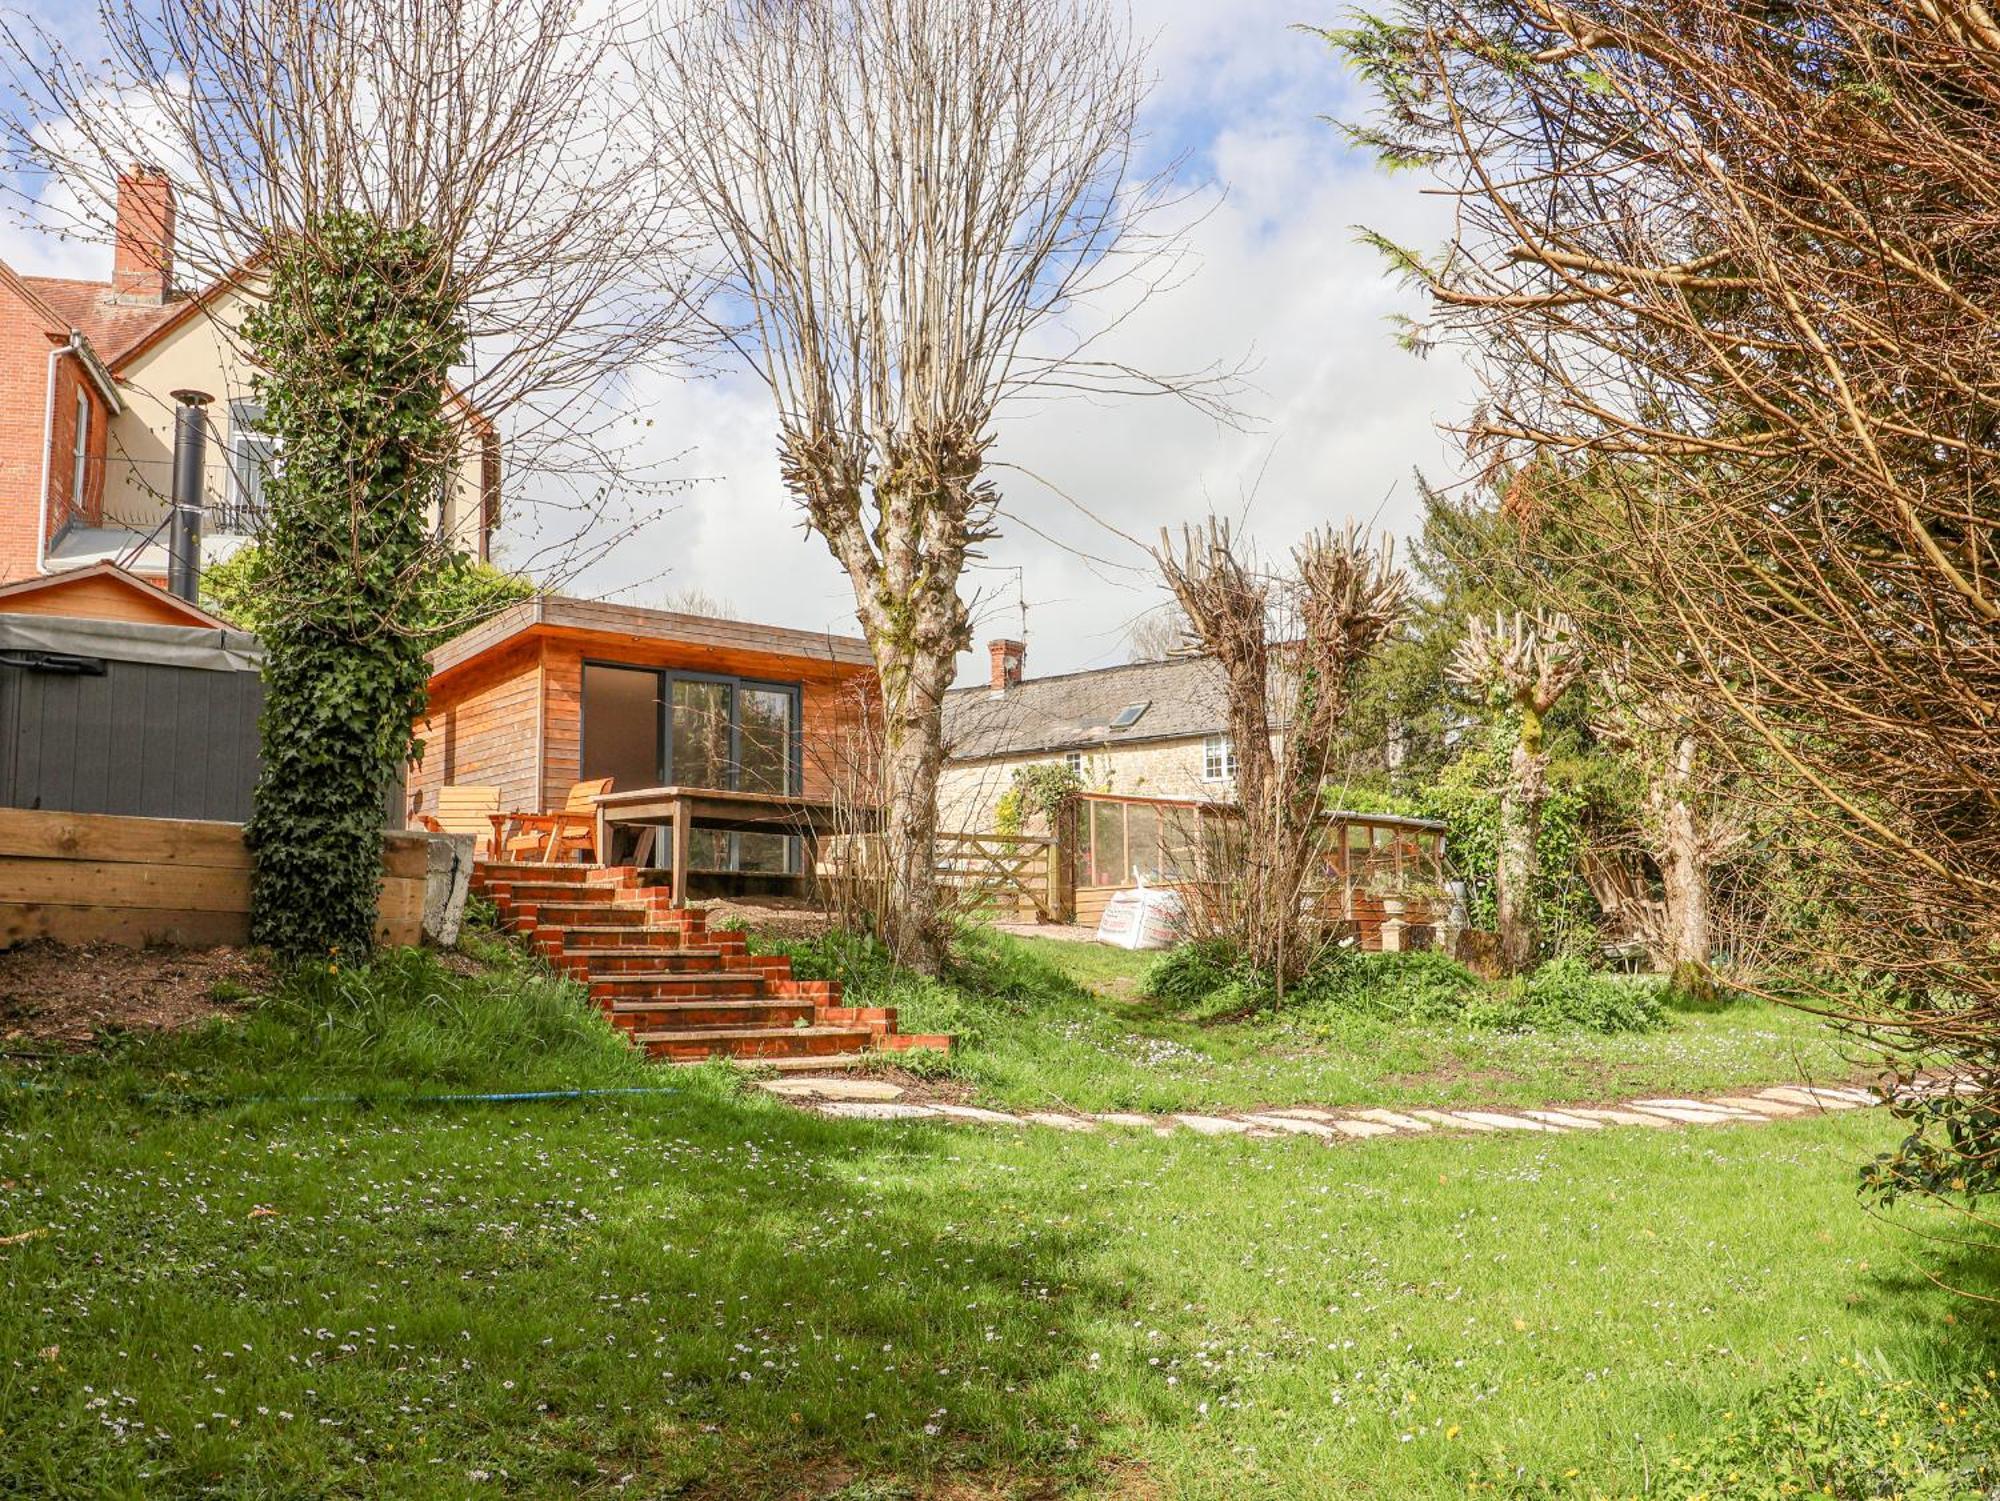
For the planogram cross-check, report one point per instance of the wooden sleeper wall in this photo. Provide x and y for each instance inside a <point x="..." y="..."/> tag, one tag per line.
<point x="101" y="878"/>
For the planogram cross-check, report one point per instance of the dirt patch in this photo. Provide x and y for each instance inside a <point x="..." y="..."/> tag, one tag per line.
<point x="782" y="918"/>
<point x="51" y="994"/>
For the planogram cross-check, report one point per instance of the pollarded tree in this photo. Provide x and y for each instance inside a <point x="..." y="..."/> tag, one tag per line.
<point x="1524" y="664"/>
<point x="914" y="200"/>
<point x="1291" y="648"/>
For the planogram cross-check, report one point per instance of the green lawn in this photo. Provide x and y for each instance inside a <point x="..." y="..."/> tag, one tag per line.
<point x="704" y="1292"/>
<point x="1100" y="1045"/>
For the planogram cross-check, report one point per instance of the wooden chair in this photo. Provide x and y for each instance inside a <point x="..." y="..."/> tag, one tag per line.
<point x="465" y="810"/>
<point x="550" y="836"/>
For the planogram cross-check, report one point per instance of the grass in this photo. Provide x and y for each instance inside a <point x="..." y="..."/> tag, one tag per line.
<point x="1050" y="1022"/>
<point x="708" y="1293"/>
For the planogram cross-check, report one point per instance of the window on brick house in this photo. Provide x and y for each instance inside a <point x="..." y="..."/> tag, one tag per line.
<point x="1218" y="759"/>
<point x="80" y="451"/>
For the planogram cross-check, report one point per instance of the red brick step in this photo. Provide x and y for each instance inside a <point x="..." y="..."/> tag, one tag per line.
<point x="680" y="990"/>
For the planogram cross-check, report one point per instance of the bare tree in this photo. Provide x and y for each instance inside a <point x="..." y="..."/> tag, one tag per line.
<point x="1689" y="816"/>
<point x="924" y="208"/>
<point x="1290" y="647"/>
<point x="1525" y="665"/>
<point x="1741" y="265"/>
<point x="1159" y="634"/>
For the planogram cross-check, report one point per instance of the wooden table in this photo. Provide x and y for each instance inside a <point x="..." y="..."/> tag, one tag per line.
<point x="685" y="809"/>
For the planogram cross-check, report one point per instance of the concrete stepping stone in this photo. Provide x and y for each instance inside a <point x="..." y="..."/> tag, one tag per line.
<point x="1440" y="1118"/>
<point x="1712" y="1107"/>
<point x="1848" y="1092"/>
<point x="1793" y="1096"/>
<point x="1060" y="1122"/>
<point x="1393" y="1118"/>
<point x="1303" y="1113"/>
<point x="1296" y="1126"/>
<point x="834" y="1089"/>
<point x="1362" y="1128"/>
<point x="1562" y="1118"/>
<point x="1621" y="1117"/>
<point x="1213" y="1125"/>
<point x="1500" y="1122"/>
<point x="1691" y="1117"/>
<point x="1122" y="1118"/>
<point x="875" y="1110"/>
<point x="1762" y="1107"/>
<point x="974" y="1113"/>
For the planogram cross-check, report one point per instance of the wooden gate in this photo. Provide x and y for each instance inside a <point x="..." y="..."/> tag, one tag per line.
<point x="1001" y="875"/>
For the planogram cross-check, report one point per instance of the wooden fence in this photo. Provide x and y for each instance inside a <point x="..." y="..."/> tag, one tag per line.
<point x="103" y="878"/>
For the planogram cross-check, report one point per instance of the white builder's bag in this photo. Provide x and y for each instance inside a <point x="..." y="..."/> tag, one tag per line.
<point x="1145" y="917"/>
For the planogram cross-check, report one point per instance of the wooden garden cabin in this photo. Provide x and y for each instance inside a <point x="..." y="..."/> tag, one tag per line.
<point x="553" y="691"/>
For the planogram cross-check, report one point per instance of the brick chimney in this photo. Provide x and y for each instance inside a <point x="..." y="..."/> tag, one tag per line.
<point x="142" y="261"/>
<point x="1009" y="659"/>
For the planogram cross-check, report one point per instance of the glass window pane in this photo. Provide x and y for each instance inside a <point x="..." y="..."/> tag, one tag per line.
<point x="701" y="734"/>
<point x="765" y="739"/>
<point x="621" y="726"/>
<point x="765" y="854"/>
<point x="1107" y="844"/>
<point x="1142" y="841"/>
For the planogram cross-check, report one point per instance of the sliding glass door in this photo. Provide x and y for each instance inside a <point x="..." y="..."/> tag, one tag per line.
<point x="647" y="728"/>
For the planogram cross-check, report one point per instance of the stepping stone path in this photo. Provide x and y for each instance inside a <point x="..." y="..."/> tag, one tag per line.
<point x="879" y="1100"/>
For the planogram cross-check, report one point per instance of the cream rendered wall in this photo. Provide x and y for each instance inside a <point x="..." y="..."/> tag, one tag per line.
<point x="204" y="354"/>
<point x="969" y="791"/>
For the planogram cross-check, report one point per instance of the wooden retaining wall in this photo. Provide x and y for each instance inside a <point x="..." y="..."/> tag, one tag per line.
<point x="101" y="878"/>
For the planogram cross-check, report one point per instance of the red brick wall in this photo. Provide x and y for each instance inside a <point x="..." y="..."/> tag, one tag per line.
<point x="24" y="384"/>
<point x="88" y="508"/>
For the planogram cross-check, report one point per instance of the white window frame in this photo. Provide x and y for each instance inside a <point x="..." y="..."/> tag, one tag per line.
<point x="80" y="449"/>
<point x="1218" y="759"/>
<point x="249" y="443"/>
<point x="1074" y="761"/>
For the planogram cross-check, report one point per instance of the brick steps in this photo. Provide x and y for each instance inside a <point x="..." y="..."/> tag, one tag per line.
<point x="679" y="990"/>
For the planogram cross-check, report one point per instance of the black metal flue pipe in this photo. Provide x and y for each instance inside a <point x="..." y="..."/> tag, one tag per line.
<point x="190" y="459"/>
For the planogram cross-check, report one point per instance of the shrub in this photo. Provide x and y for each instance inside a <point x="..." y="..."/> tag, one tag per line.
<point x="1567" y="992"/>
<point x="1207" y="981"/>
<point x="1418" y="987"/>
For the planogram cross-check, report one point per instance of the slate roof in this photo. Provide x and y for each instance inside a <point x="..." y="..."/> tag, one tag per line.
<point x="1073" y="711"/>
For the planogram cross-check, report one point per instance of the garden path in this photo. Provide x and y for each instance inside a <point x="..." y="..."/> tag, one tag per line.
<point x="880" y="1100"/>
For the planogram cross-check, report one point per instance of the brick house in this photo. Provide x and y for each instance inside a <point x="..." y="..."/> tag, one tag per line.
<point x="87" y="429"/>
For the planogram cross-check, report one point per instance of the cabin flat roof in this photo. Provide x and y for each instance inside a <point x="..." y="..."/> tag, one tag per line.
<point x="560" y="612"/>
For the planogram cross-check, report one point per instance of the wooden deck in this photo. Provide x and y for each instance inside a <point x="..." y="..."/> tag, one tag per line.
<point x="682" y="810"/>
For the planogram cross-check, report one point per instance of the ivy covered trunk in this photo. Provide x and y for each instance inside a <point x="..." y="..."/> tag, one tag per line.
<point x="355" y="341"/>
<point x="1517" y="864"/>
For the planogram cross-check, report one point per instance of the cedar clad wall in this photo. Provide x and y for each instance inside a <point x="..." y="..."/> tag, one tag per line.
<point x="481" y="731"/>
<point x="509" y="713"/>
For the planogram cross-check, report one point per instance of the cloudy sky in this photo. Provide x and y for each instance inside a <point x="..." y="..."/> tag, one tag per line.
<point x="1340" y="416"/>
<point x="1336" y="420"/>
